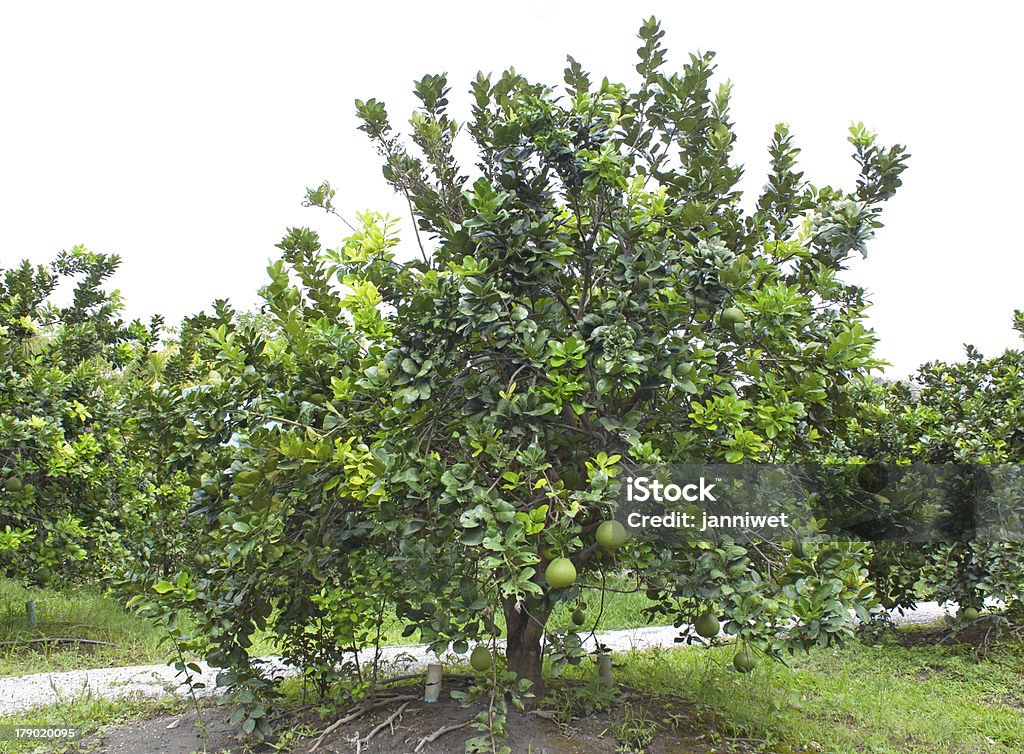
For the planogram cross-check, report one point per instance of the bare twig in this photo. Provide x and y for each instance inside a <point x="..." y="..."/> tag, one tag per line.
<point x="416" y="228"/>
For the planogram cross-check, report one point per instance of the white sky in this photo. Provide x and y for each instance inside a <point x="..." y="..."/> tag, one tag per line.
<point x="182" y="136"/>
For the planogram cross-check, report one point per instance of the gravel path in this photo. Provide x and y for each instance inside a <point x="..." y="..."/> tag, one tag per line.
<point x="21" y="693"/>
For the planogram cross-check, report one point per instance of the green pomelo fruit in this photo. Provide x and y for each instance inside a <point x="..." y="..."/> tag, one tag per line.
<point x="707" y="625"/>
<point x="743" y="661"/>
<point x="560" y="573"/>
<point x="480" y="659"/>
<point x="732" y="317"/>
<point x="611" y="535"/>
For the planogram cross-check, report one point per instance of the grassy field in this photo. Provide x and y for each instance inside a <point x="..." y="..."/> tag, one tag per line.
<point x="81" y="614"/>
<point x="882" y="698"/>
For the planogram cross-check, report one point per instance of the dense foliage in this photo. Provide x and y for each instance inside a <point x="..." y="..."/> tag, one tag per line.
<point x="969" y="413"/>
<point x="76" y="496"/>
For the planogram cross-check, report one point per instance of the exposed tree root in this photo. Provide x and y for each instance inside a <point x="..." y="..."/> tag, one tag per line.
<point x="358" y="712"/>
<point x="397" y="714"/>
<point x="438" y="733"/>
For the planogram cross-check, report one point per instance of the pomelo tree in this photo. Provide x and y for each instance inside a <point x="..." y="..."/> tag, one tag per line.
<point x="74" y="497"/>
<point x="967" y="413"/>
<point x="592" y="296"/>
<point x="426" y="437"/>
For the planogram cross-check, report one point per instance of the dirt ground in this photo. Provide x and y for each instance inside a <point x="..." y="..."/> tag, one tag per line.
<point x="382" y="731"/>
<point x="634" y="724"/>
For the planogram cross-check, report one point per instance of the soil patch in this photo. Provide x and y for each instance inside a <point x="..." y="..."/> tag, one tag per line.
<point x="643" y="724"/>
<point x="175" y="734"/>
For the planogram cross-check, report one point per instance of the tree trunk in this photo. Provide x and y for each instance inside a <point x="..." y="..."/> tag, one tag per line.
<point x="523" y="651"/>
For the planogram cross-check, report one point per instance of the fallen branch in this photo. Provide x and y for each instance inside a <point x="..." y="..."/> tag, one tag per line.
<point x="57" y="640"/>
<point x="437" y="734"/>
<point x="396" y="714"/>
<point x="416" y="676"/>
<point x="356" y="714"/>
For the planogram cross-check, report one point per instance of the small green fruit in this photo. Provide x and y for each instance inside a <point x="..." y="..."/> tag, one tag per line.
<point x="480" y="660"/>
<point x="611" y="535"/>
<point x="707" y="625"/>
<point x="970" y="614"/>
<point x="743" y="661"/>
<point x="732" y="316"/>
<point x="578" y="617"/>
<point x="13" y="484"/>
<point x="872" y="477"/>
<point x="560" y="573"/>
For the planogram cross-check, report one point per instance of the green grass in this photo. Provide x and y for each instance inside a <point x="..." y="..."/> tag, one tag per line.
<point x="82" y="614"/>
<point x="880" y="699"/>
